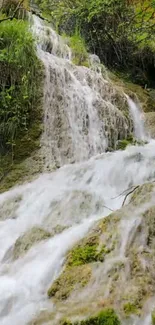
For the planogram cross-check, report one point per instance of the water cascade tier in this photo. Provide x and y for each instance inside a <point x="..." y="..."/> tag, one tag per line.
<point x="84" y="113"/>
<point x="41" y="221"/>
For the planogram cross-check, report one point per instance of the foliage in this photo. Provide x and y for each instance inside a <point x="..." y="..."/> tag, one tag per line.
<point x="82" y="255"/>
<point x="121" y="32"/>
<point x="130" y="308"/>
<point x="87" y="253"/>
<point x="153" y="318"/>
<point x="105" y="317"/>
<point x="79" y="51"/>
<point x="20" y="76"/>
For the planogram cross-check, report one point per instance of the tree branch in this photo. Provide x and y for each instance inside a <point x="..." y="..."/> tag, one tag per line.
<point x="135" y="188"/>
<point x="14" y="13"/>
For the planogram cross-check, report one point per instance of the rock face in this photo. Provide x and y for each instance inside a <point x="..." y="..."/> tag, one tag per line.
<point x="114" y="265"/>
<point x="150" y="123"/>
<point x="30" y="238"/>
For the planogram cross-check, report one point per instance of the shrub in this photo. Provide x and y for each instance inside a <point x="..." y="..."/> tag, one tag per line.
<point x="20" y="76"/>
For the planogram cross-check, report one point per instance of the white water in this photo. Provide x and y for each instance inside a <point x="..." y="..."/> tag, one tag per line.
<point x="74" y="196"/>
<point x="82" y="115"/>
<point x="55" y="199"/>
<point x="138" y="119"/>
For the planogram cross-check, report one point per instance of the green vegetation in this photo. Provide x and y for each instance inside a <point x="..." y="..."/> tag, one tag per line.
<point x="77" y="272"/>
<point x="130" y="308"/>
<point x="79" y="51"/>
<point x="87" y="253"/>
<point x="21" y="75"/>
<point x="105" y="317"/>
<point x="122" y="144"/>
<point x="153" y="318"/>
<point x="121" y="32"/>
<point x="72" y="278"/>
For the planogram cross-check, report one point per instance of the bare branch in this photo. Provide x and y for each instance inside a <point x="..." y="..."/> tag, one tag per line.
<point x="135" y="188"/>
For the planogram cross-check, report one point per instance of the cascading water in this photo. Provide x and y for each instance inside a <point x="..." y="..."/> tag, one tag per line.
<point x="138" y="119"/>
<point x="82" y="115"/>
<point x="73" y="197"/>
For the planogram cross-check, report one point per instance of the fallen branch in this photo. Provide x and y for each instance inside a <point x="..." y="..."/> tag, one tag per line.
<point x="121" y="194"/>
<point x="129" y="194"/>
<point x="108" y="208"/>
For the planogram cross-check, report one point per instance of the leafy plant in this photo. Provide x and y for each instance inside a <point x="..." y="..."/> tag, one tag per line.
<point x="20" y="74"/>
<point x="79" y="51"/>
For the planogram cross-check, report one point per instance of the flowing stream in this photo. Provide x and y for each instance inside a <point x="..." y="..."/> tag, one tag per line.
<point x="75" y="195"/>
<point x="138" y="118"/>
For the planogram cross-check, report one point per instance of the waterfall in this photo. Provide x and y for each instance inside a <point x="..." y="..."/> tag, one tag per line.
<point x="81" y="120"/>
<point x="82" y="115"/>
<point x="138" y="119"/>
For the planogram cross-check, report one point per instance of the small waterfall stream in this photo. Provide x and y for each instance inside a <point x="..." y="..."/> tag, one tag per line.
<point x="76" y="195"/>
<point x="138" y="119"/>
<point x="82" y="115"/>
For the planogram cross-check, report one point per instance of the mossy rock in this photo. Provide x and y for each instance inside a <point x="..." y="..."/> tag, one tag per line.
<point x="9" y="207"/>
<point x="149" y="218"/>
<point x="130" y="308"/>
<point x="153" y="317"/>
<point x="70" y="279"/>
<point x="105" y="317"/>
<point x="122" y="144"/>
<point x="28" y="239"/>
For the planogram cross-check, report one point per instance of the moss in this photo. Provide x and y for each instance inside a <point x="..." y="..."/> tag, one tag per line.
<point x="122" y="144"/>
<point x="149" y="217"/>
<point x="130" y="308"/>
<point x="71" y="278"/>
<point x="153" y="317"/>
<point x="88" y="251"/>
<point x="13" y="176"/>
<point x="82" y="255"/>
<point x="25" y="242"/>
<point x="105" y="317"/>
<point x="18" y="173"/>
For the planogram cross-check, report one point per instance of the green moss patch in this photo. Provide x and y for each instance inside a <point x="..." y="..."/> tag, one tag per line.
<point x="72" y="278"/>
<point x="130" y="308"/>
<point x="153" y="317"/>
<point x="105" y="317"/>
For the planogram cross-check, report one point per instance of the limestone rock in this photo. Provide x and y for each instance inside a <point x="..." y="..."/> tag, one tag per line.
<point x="30" y="238"/>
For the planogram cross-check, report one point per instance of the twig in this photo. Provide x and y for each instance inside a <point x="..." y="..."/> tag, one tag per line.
<point x="129" y="194"/>
<point x="14" y="13"/>
<point x="121" y="194"/>
<point x="107" y="208"/>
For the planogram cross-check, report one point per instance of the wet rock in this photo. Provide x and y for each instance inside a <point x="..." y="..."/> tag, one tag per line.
<point x="71" y="279"/>
<point x="28" y="239"/>
<point x="124" y="275"/>
<point x="150" y="123"/>
<point x="8" y="208"/>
